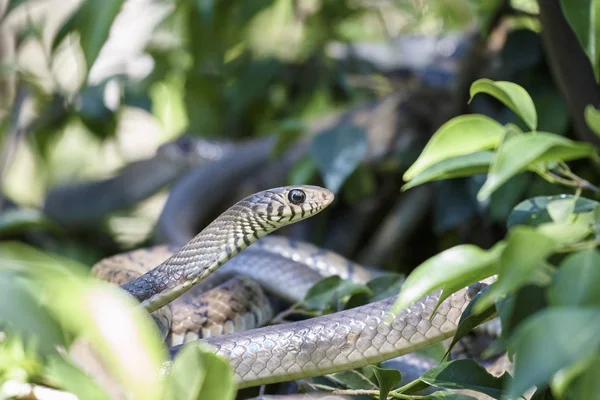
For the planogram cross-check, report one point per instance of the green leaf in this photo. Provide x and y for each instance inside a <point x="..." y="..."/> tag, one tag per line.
<point x="302" y="172"/>
<point x="512" y="95"/>
<point x="534" y="211"/>
<point x="329" y="291"/>
<point x="337" y="152"/>
<point x="469" y="320"/>
<point x="525" y="250"/>
<point x="353" y="379"/>
<point x="584" y="18"/>
<point x="386" y="285"/>
<point x="63" y="374"/>
<point x="132" y="350"/>
<point x="448" y="396"/>
<point x="577" y="281"/>
<point x="199" y="374"/>
<point x="586" y="382"/>
<point x="592" y="117"/>
<point x="17" y="220"/>
<point x="455" y="167"/>
<point x="465" y="374"/>
<point x="387" y="379"/>
<point x="521" y="152"/>
<point x="570" y="331"/>
<point x="460" y="136"/>
<point x="21" y="311"/>
<point x="450" y="271"/>
<point x="561" y="210"/>
<point x="92" y="21"/>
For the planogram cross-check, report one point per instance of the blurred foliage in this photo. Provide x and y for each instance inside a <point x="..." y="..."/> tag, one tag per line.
<point x="90" y="88"/>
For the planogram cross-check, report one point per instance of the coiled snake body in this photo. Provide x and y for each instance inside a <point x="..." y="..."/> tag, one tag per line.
<point x="317" y="346"/>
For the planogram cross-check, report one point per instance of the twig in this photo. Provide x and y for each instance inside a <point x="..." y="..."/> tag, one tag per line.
<point x="280" y="318"/>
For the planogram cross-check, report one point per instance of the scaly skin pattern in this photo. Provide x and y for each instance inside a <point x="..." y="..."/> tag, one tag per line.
<point x="234" y="230"/>
<point x="340" y="341"/>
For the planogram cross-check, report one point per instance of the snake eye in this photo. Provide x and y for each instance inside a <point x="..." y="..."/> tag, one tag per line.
<point x="296" y="196"/>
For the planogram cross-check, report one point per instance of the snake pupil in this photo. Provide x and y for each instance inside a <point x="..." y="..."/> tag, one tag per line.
<point x="296" y="196"/>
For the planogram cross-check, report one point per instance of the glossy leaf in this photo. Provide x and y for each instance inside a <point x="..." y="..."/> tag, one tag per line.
<point x="534" y="212"/>
<point x="387" y="285"/>
<point x="455" y="167"/>
<point x="577" y="281"/>
<point x="525" y="250"/>
<point x="450" y="270"/>
<point x="337" y="152"/>
<point x="525" y="151"/>
<point x="469" y="320"/>
<point x="584" y="18"/>
<point x="387" y="380"/>
<point x="353" y="379"/>
<point x="460" y="136"/>
<point x="592" y="118"/>
<point x="465" y="374"/>
<point x="512" y="95"/>
<point x="573" y="331"/>
<point x="199" y="374"/>
<point x="566" y="232"/>
<point x="92" y="21"/>
<point x="326" y="293"/>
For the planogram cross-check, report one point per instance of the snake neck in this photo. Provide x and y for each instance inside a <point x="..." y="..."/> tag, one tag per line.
<point x="214" y="246"/>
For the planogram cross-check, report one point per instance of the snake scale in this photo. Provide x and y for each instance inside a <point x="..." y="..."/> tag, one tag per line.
<point x="317" y="346"/>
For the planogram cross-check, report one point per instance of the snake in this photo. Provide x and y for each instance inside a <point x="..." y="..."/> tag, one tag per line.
<point x="339" y="341"/>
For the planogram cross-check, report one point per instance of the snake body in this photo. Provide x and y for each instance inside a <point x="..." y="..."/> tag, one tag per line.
<point x="334" y="342"/>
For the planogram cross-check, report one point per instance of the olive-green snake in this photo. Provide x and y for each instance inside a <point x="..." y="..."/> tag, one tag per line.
<point x="317" y="346"/>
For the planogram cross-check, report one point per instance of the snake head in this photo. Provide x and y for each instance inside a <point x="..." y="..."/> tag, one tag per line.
<point x="288" y="204"/>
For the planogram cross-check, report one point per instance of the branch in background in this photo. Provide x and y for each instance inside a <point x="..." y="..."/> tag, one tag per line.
<point x="55" y="110"/>
<point x="570" y="67"/>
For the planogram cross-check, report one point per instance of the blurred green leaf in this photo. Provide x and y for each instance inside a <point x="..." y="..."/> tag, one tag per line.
<point x="460" y="136"/>
<point x="386" y="285"/>
<point x="450" y="271"/>
<point x="521" y="152"/>
<point x="584" y="18"/>
<point x="465" y="374"/>
<point x="455" y="167"/>
<point x="525" y="250"/>
<point x="288" y="134"/>
<point x="534" y="211"/>
<point x="359" y="185"/>
<point x="592" y="117"/>
<point x="585" y="380"/>
<point x="132" y="348"/>
<point x="63" y="374"/>
<point x="338" y="152"/>
<point x="96" y="116"/>
<point x="17" y="220"/>
<point x="387" y="379"/>
<point x="561" y="210"/>
<point x="92" y="21"/>
<point x="577" y="281"/>
<point x="22" y="311"/>
<point x="512" y="95"/>
<point x="302" y="172"/>
<point x="505" y="199"/>
<point x="571" y="331"/>
<point x="567" y="233"/>
<point x="199" y="374"/>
